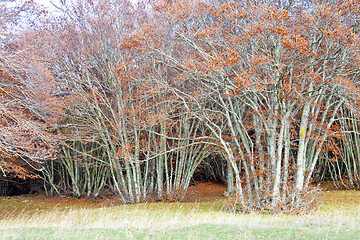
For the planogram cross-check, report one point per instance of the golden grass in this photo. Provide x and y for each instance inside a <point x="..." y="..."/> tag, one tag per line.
<point x="336" y="207"/>
<point x="338" y="211"/>
<point x="344" y="202"/>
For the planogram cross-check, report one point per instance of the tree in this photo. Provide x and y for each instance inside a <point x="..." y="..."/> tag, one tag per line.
<point x="267" y="82"/>
<point x="26" y="105"/>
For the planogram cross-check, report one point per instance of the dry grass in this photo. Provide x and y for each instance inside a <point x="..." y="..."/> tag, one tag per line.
<point x="338" y="216"/>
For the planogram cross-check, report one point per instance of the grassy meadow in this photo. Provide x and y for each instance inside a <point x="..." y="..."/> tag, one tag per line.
<point x="36" y="217"/>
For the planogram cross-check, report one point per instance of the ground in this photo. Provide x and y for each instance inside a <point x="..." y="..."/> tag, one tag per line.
<point x="39" y="217"/>
<point x="205" y="191"/>
<point x="35" y="203"/>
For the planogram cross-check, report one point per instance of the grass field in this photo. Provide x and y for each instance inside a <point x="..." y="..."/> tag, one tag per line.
<point x="36" y="217"/>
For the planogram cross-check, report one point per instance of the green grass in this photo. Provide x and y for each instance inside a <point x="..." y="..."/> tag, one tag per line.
<point x="337" y="217"/>
<point x="201" y="231"/>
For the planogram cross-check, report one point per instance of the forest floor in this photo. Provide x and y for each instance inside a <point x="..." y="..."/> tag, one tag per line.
<point x="202" y="217"/>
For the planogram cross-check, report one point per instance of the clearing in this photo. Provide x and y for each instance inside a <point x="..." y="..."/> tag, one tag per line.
<point x="39" y="217"/>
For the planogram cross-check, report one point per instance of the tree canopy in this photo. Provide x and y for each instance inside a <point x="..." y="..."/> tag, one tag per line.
<point x="132" y="99"/>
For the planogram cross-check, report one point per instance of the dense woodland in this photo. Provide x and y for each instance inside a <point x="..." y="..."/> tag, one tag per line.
<point x="140" y="100"/>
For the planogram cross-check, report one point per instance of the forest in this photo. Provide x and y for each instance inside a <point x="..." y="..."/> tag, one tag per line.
<point x="141" y="100"/>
